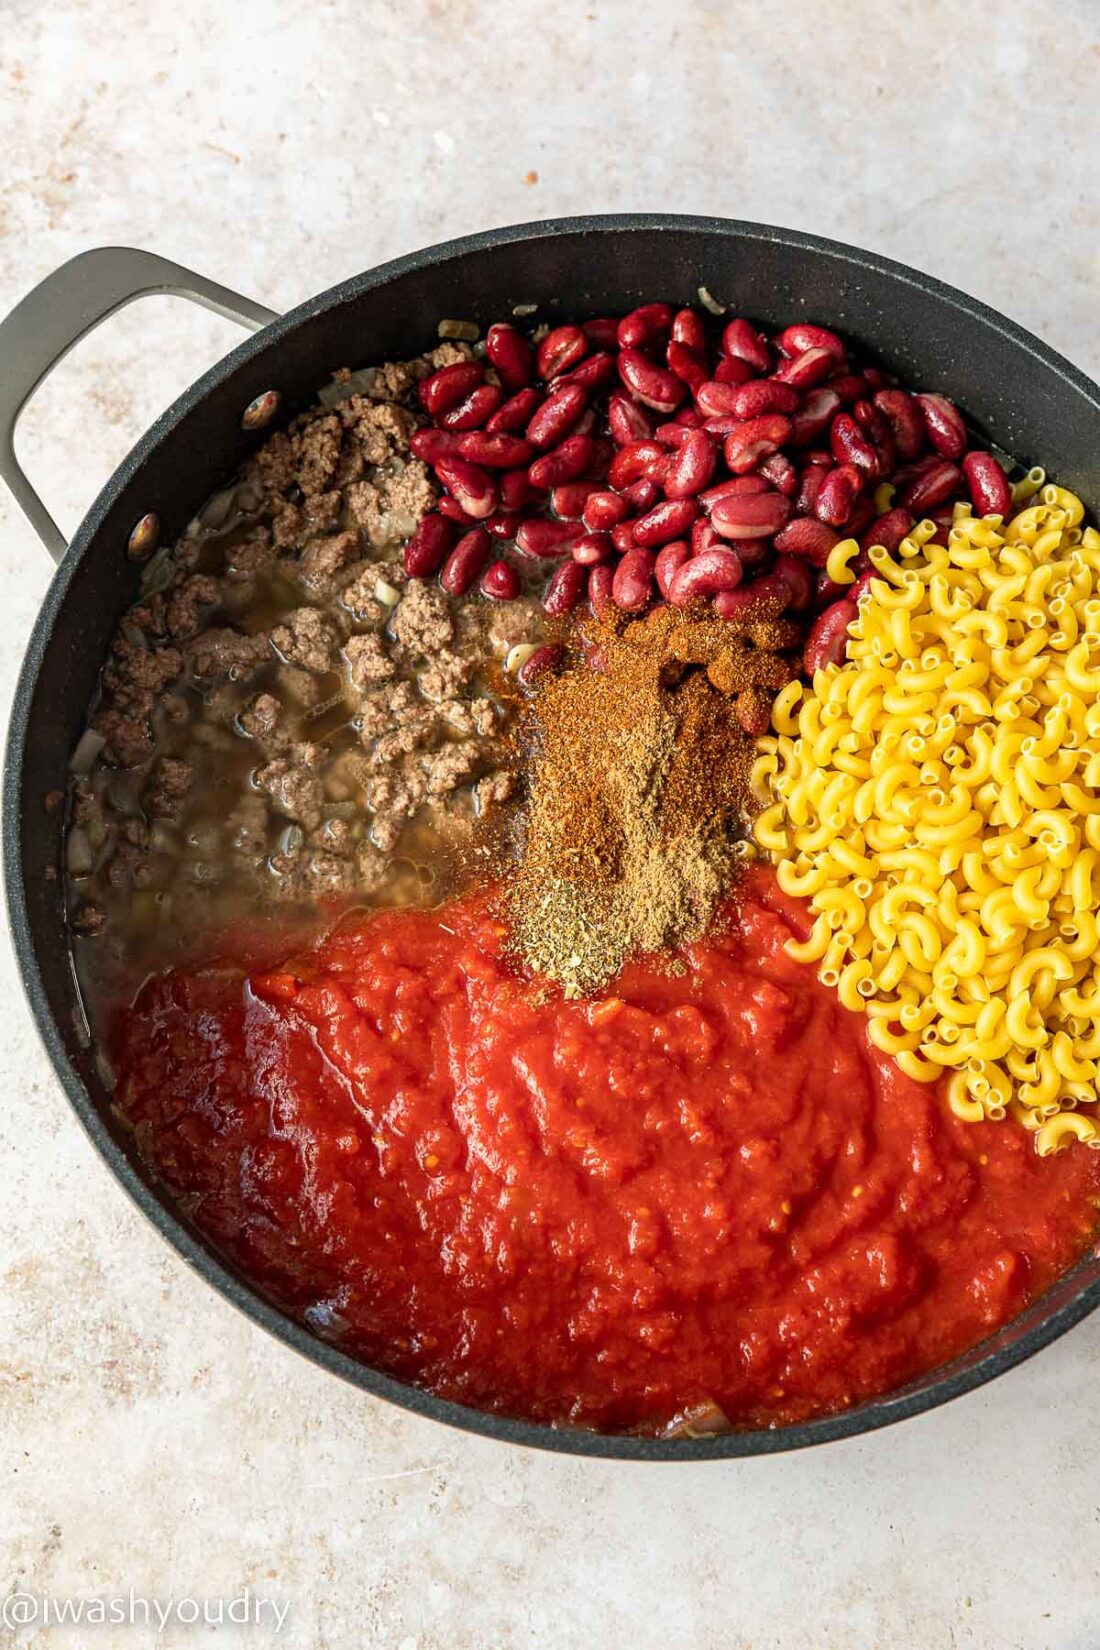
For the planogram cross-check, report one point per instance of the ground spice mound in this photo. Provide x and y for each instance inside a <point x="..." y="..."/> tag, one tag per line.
<point x="641" y="757"/>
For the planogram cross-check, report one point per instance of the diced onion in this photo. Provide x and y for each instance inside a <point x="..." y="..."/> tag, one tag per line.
<point x="709" y="301"/>
<point x="88" y="749"/>
<point x="78" y="853"/>
<point x="359" y="383"/>
<point x="466" y="330"/>
<point x="385" y="593"/>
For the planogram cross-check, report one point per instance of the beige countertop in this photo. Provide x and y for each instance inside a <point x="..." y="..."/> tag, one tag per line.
<point x="150" y="1438"/>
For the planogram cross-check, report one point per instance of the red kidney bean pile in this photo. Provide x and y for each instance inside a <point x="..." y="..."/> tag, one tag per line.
<point x="649" y="460"/>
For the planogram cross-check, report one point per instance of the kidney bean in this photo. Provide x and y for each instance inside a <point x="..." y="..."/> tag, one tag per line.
<point x="670" y="558"/>
<point x="805" y="536"/>
<point x="764" y="598"/>
<point x="557" y="416"/>
<point x="603" y="451"/>
<point x="689" y="417"/>
<point x="736" y="487"/>
<point x="432" y="445"/>
<point x="932" y="488"/>
<point x="549" y="539"/>
<point x="562" y="348"/>
<point x="495" y="452"/>
<point x="476" y="410"/>
<point x="516" y="492"/>
<point x="750" y="516"/>
<point x="827" y="642"/>
<point x="632" y="586"/>
<point x="688" y="328"/>
<point x="862" y="515"/>
<point x="545" y="661"/>
<point x="644" y="326"/>
<point x="511" y="355"/>
<point x="803" y="371"/>
<point x="592" y="549"/>
<point x="753" y="553"/>
<point x="729" y="369"/>
<point x="641" y="459"/>
<point x="687" y="365"/>
<point x="471" y="485"/>
<point x="877" y="379"/>
<point x="944" y="425"/>
<point x="888" y="530"/>
<point x="990" y="492"/>
<point x="641" y="495"/>
<point x="742" y="342"/>
<point x="592" y="374"/>
<point x="851" y="446"/>
<point x="906" y="424"/>
<point x="665" y="522"/>
<point x="723" y="426"/>
<point x="656" y="386"/>
<point x="602" y="331"/>
<point x="703" y="537"/>
<point x="569" y="499"/>
<point x="809" y="485"/>
<point x="600" y="599"/>
<point x="795" y="572"/>
<point x="603" y="510"/>
<point x="755" y="439"/>
<point x="836" y="497"/>
<point x="450" y="385"/>
<point x="765" y="395"/>
<point x="628" y="421"/>
<point x="715" y="399"/>
<point x="565" y="589"/>
<point x="672" y="434"/>
<point x="565" y="463"/>
<point x="622" y="537"/>
<point x="827" y="591"/>
<point x="503" y="525"/>
<point x="691" y="466"/>
<point x="500" y="582"/>
<point x="861" y="585"/>
<point x="705" y="575"/>
<point x="782" y="474"/>
<point x="466" y="561"/>
<point x="850" y="386"/>
<point x="429" y="546"/>
<point x="814" y="416"/>
<point x="452" y="509"/>
<point x="806" y="335"/>
<point x="516" y="413"/>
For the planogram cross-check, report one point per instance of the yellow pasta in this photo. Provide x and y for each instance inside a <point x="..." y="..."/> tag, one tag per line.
<point x="937" y="799"/>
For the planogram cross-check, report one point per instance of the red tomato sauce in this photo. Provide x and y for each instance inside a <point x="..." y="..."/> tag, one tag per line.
<point x="705" y="1187"/>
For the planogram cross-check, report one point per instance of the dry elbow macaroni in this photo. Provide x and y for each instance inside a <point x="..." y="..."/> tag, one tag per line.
<point x="937" y="800"/>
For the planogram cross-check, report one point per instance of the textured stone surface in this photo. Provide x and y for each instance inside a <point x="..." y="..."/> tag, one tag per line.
<point x="150" y="1437"/>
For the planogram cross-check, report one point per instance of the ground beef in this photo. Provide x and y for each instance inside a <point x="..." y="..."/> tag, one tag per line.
<point x="134" y="675"/>
<point x="294" y="785"/>
<point x="318" y="444"/>
<point x="167" y="788"/>
<point x="129" y="739"/>
<point x="184" y="604"/>
<point x="445" y="676"/>
<point x="306" y="638"/>
<point x="446" y="354"/>
<point x="369" y="662"/>
<point x="324" y="510"/>
<point x="224" y="652"/>
<point x="422" y="622"/>
<point x="469" y="716"/>
<point x="381" y="429"/>
<point x="288" y="525"/>
<point x="325" y="563"/>
<point x="495" y="788"/>
<point x="264" y="720"/>
<point x="452" y="766"/>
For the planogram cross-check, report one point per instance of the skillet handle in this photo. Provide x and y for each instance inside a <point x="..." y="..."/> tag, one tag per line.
<point x="59" y="312"/>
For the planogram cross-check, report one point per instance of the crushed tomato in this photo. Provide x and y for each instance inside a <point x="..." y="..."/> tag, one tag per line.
<point x="704" y="1187"/>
